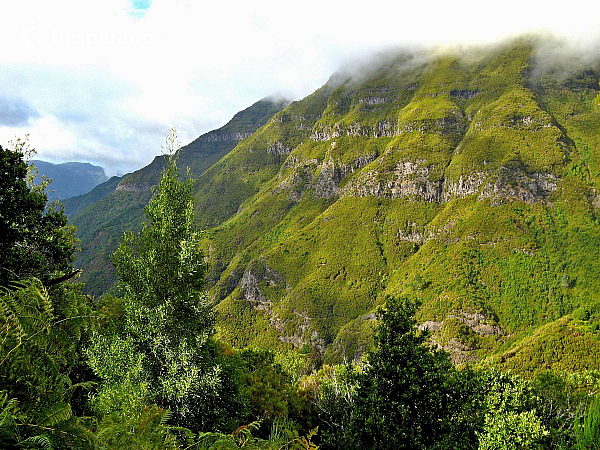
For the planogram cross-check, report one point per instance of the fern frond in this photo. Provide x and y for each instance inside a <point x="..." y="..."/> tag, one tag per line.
<point x="86" y="385"/>
<point x="166" y="416"/>
<point x="9" y="413"/>
<point x="56" y="414"/>
<point x="42" y="440"/>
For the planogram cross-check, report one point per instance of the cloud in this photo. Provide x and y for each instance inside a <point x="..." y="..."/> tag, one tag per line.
<point x="114" y="75"/>
<point x="15" y="112"/>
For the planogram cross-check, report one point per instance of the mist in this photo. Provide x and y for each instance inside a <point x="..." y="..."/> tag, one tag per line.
<point x="103" y="82"/>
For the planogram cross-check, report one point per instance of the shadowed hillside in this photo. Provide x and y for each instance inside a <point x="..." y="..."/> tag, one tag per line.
<point x="102" y="215"/>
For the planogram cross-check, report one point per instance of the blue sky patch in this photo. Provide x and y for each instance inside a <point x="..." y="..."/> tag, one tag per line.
<point x="139" y="7"/>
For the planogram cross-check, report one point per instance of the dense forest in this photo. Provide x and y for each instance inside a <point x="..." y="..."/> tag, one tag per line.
<point x="144" y="368"/>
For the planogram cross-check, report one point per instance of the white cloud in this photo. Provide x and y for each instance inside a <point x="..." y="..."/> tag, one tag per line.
<point x="113" y="81"/>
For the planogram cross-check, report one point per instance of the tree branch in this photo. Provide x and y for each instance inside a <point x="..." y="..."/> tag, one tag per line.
<point x="63" y="278"/>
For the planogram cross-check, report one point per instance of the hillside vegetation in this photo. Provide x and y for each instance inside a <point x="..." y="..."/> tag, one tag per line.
<point x="467" y="183"/>
<point x="464" y="180"/>
<point x="105" y="213"/>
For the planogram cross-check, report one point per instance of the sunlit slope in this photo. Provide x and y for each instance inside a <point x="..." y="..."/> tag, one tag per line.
<point x="468" y="183"/>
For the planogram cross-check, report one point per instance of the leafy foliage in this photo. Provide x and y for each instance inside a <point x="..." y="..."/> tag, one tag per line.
<point x="267" y="393"/>
<point x="409" y="395"/>
<point x="511" y="420"/>
<point x="163" y="353"/>
<point x="334" y="389"/>
<point x="35" y="241"/>
<point x="587" y="432"/>
<point x="39" y="364"/>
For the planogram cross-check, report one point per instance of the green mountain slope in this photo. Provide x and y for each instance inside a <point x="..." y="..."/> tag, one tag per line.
<point x="467" y="180"/>
<point x="469" y="183"/>
<point x="102" y="215"/>
<point x="73" y="205"/>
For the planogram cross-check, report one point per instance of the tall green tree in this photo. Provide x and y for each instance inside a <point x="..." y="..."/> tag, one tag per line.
<point x="163" y="352"/>
<point x="35" y="239"/>
<point x="410" y="396"/>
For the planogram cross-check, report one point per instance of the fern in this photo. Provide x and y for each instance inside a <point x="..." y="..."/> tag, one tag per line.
<point x="42" y="440"/>
<point x="37" y="353"/>
<point x="9" y="414"/>
<point x="56" y="414"/>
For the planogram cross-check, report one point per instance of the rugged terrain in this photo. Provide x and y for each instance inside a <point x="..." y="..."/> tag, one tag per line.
<point x="466" y="179"/>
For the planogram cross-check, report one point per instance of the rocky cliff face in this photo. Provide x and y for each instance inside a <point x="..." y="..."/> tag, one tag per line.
<point x="215" y="136"/>
<point x="439" y="169"/>
<point x="133" y="187"/>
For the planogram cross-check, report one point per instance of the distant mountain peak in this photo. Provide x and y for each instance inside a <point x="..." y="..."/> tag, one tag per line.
<point x="69" y="179"/>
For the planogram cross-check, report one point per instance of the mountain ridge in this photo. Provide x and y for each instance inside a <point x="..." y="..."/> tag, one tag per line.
<point x="466" y="183"/>
<point x="69" y="179"/>
<point x="102" y="215"/>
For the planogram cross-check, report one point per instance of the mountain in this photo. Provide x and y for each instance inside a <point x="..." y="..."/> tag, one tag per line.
<point x="69" y="179"/>
<point x="102" y="215"/>
<point x="74" y="205"/>
<point x="468" y="182"/>
<point x="466" y="179"/>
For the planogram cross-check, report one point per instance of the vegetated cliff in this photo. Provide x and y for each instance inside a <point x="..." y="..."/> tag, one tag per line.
<point x="468" y="182"/>
<point x="102" y="215"/>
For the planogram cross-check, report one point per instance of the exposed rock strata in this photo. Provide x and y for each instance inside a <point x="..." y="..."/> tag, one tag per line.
<point x="461" y="353"/>
<point x="514" y="184"/>
<point x="455" y="124"/>
<point x="411" y="180"/>
<point x="278" y="148"/>
<point x="324" y="185"/>
<point x="250" y="284"/>
<point x="223" y="137"/>
<point x="133" y="187"/>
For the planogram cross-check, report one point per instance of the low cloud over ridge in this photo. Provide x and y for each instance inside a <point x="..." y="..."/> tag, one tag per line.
<point x="95" y="82"/>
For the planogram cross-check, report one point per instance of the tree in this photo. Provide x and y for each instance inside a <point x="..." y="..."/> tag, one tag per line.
<point x="511" y="421"/>
<point x="43" y="322"/>
<point x="410" y="396"/>
<point x="35" y="240"/>
<point x="163" y="352"/>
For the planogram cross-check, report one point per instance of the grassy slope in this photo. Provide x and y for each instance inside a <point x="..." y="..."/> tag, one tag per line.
<point x="298" y="265"/>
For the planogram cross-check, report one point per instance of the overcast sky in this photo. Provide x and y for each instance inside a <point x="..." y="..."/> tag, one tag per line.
<point x="102" y="81"/>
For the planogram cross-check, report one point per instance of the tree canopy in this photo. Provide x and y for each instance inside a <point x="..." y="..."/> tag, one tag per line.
<point x="35" y="239"/>
<point x="162" y="353"/>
